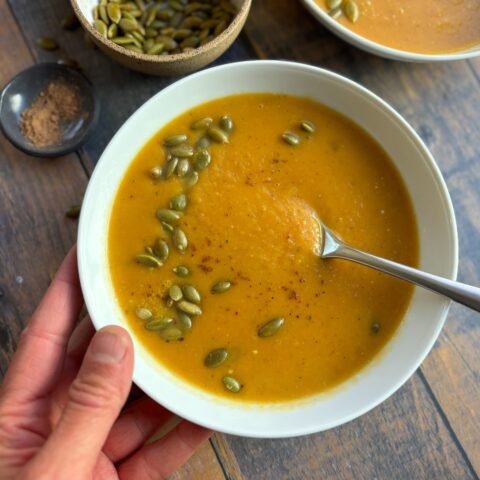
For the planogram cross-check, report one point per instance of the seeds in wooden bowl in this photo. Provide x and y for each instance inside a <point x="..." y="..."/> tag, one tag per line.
<point x="162" y="27"/>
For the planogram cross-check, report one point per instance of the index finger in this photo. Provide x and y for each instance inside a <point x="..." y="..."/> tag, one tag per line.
<point x="37" y="364"/>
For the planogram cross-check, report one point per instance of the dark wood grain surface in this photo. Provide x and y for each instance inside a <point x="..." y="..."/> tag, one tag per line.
<point x="430" y="429"/>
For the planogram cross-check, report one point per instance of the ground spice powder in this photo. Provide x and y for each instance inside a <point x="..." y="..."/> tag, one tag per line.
<point x="44" y="121"/>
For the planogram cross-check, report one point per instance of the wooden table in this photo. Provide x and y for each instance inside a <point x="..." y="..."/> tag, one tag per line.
<point x="430" y="429"/>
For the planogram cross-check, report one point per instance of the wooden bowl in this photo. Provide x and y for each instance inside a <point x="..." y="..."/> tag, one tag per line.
<point x="176" y="64"/>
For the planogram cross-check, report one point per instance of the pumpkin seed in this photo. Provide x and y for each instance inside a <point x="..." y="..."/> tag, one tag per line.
<point x="191" y="179"/>
<point x="189" y="308"/>
<point x="143" y="313"/>
<point x="215" y="357"/>
<point x="171" y="334"/>
<point x="167" y="227"/>
<point x="169" y="302"/>
<point x="179" y="202"/>
<point x="170" y="167"/>
<point x="190" y="43"/>
<point x="114" y="12"/>
<point x="175" y="293"/>
<point x="182" y="151"/>
<point x="183" y="167"/>
<point x="202" y="142"/>
<point x="169" y="216"/>
<point x="181" y="271"/>
<point x="160" y="249"/>
<point x="191" y="294"/>
<point x="112" y="31"/>
<point x="351" y="10"/>
<point x="150" y="18"/>
<point x="174" y="140"/>
<point x="181" y="34"/>
<point x="202" y="124"/>
<point x="128" y="24"/>
<point x="331" y="4"/>
<point x="156" y="49"/>
<point x="202" y="159"/>
<point x="184" y="321"/>
<point x="73" y="211"/>
<point x="291" y="138"/>
<point x="149" y="250"/>
<point x="149" y="260"/>
<point x="231" y="384"/>
<point x="271" y="328"/>
<point x="335" y="13"/>
<point x="221" y="287"/>
<point x="47" y="43"/>
<point x="70" y="23"/>
<point x="102" y="10"/>
<point x="217" y="135"/>
<point x="140" y="4"/>
<point x="139" y="37"/>
<point x="375" y="327"/>
<point x="123" y="40"/>
<point x="226" y="123"/>
<point x="165" y="14"/>
<point x="159" y="323"/>
<point x="180" y="240"/>
<point x="156" y="172"/>
<point x="308" y="126"/>
<point x="134" y="48"/>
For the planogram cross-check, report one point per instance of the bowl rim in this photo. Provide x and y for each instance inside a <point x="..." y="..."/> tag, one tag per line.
<point x="293" y="431"/>
<point x="229" y="32"/>
<point x="376" y="48"/>
<point x="65" y="149"/>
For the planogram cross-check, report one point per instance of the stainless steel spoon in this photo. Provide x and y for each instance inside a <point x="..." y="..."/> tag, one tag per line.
<point x="332" y="247"/>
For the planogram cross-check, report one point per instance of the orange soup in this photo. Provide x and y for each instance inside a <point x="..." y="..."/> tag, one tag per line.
<point x="422" y="26"/>
<point x="213" y="247"/>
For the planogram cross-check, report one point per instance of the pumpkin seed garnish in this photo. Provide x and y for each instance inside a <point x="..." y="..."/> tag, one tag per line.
<point x="184" y="321"/>
<point x="47" y="43"/>
<point x="217" y="135"/>
<point x="181" y="271"/>
<point x="156" y="172"/>
<point x="191" y="179"/>
<point x="159" y="323"/>
<point x="351" y="10"/>
<point x="215" y="357"/>
<point x="335" y="13"/>
<point x="170" y="167"/>
<point x="231" y="384"/>
<point x="291" y="138"/>
<point x="180" y="240"/>
<point x="73" y="211"/>
<point x="221" y="287"/>
<point x="271" y="328"/>
<point x="189" y="308"/>
<point x="161" y="249"/>
<point x="168" y="215"/>
<point x="202" y="142"/>
<point x="174" y="140"/>
<point x="143" y="313"/>
<point x="171" y="334"/>
<point x="226" y="123"/>
<point x="191" y="294"/>
<point x="202" y="159"/>
<point x="183" y="167"/>
<point x="308" y="126"/>
<point x="179" y="202"/>
<point x="182" y="151"/>
<point x="167" y="227"/>
<point x="175" y="293"/>
<point x="375" y="327"/>
<point x="202" y="124"/>
<point x="331" y="4"/>
<point x="148" y="260"/>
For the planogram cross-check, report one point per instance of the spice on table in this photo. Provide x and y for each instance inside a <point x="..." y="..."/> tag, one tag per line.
<point x="43" y="122"/>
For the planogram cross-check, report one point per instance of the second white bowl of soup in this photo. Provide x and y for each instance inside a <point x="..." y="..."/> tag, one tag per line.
<point x="196" y="236"/>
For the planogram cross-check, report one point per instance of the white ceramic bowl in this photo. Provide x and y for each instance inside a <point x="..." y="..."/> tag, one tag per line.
<point x="437" y="230"/>
<point x="377" y="48"/>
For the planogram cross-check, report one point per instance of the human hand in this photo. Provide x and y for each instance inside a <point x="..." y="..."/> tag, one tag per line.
<point x="61" y="401"/>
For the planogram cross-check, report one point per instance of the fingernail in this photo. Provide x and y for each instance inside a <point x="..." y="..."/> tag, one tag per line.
<point x="108" y="346"/>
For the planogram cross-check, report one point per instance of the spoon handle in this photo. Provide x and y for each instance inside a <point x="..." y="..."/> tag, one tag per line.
<point x="460" y="292"/>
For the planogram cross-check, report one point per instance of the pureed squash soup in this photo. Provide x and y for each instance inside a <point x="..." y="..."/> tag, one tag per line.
<point x="421" y="26"/>
<point x="213" y="247"/>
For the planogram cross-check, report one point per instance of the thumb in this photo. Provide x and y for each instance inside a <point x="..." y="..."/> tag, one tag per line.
<point x="95" y="399"/>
